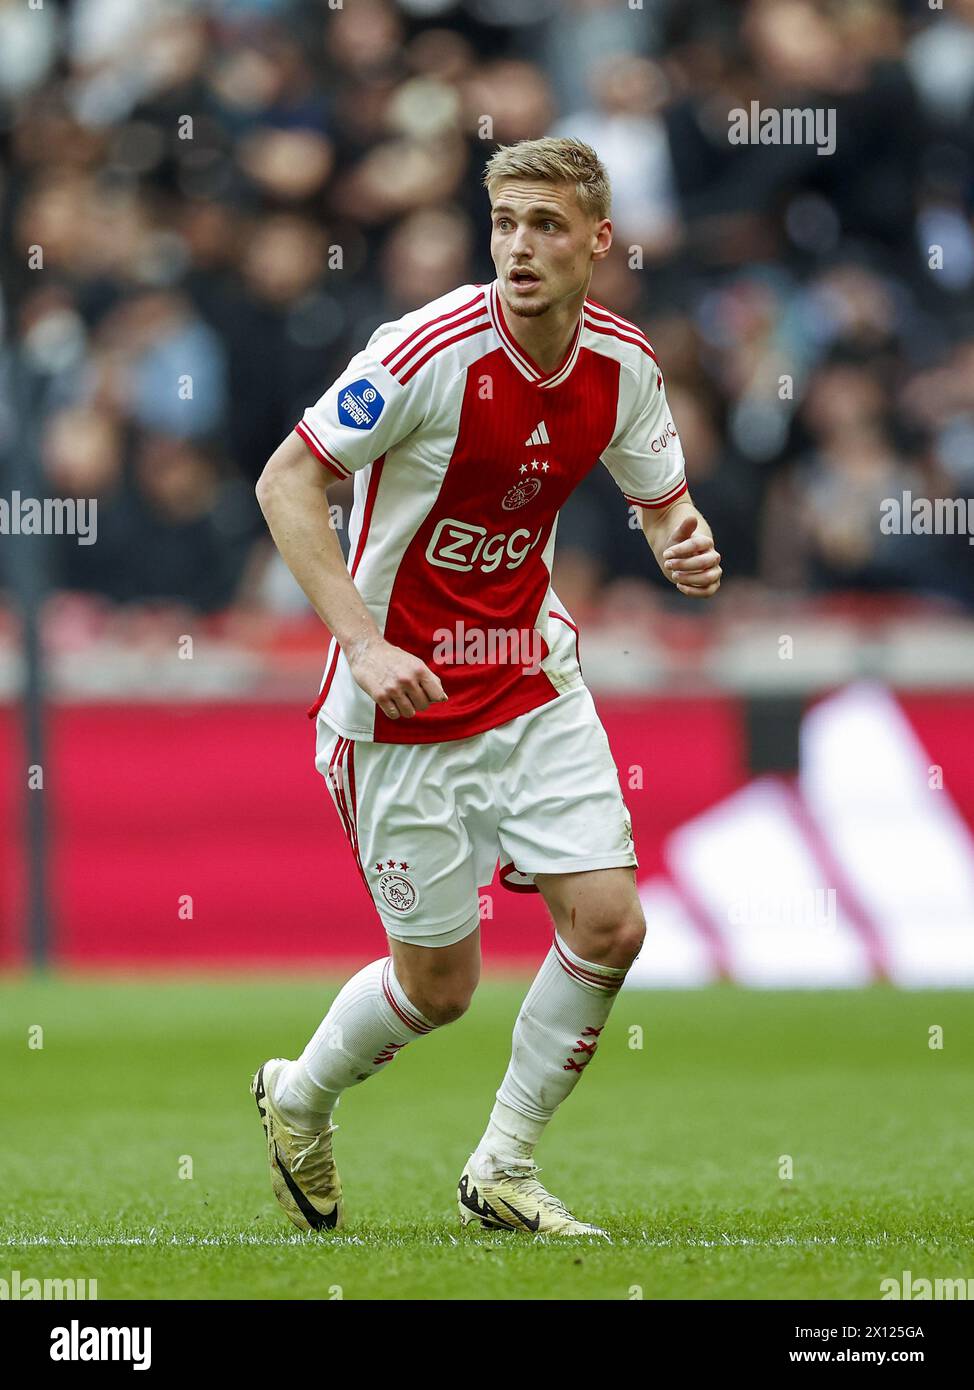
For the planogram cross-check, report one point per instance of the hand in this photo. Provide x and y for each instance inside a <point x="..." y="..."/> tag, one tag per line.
<point x="691" y="562"/>
<point x="398" y="682"/>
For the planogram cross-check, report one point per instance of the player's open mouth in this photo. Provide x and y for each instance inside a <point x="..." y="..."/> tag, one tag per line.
<point x="524" y="279"/>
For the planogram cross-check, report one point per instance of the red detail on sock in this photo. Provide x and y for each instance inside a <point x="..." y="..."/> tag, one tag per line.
<point x="583" y="974"/>
<point x="581" y="1046"/>
<point x="387" y="1053"/>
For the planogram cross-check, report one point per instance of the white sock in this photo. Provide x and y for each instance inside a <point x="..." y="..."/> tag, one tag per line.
<point x="555" y="1038"/>
<point x="369" y="1022"/>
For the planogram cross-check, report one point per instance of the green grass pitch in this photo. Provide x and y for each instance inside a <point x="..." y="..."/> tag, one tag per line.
<point x="677" y="1146"/>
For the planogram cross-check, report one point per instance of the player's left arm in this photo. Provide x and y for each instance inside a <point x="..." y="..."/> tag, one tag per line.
<point x="645" y="457"/>
<point x="684" y="547"/>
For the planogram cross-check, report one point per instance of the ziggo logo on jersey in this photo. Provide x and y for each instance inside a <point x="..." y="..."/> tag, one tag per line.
<point x="458" y="545"/>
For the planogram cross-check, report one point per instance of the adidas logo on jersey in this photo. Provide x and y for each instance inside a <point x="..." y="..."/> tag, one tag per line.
<point x="539" y="435"/>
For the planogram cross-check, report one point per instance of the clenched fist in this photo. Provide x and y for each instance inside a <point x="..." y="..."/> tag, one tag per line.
<point x="399" y="683"/>
<point x="691" y="562"/>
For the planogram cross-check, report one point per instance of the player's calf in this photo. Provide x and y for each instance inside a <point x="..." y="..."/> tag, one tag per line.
<point x="372" y="1018"/>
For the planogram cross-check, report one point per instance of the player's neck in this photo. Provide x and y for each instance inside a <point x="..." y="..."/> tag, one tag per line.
<point x="546" y="338"/>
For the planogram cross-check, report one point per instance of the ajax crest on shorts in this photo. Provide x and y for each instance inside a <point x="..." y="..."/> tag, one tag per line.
<point x="397" y="891"/>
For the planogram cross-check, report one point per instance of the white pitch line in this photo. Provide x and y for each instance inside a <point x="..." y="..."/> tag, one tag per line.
<point x="228" y="1242"/>
<point x="158" y="1242"/>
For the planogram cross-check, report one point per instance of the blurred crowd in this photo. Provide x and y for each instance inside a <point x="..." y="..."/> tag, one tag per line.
<point x="206" y="206"/>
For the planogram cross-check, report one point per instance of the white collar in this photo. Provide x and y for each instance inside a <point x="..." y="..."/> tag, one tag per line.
<point x="529" y="369"/>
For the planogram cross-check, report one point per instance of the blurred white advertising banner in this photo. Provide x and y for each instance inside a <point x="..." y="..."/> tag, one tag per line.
<point x="863" y="870"/>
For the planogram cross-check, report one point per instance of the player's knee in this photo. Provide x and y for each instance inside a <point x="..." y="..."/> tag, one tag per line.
<point x="443" y="1001"/>
<point x="613" y="936"/>
<point x="629" y="935"/>
<point x="441" y="994"/>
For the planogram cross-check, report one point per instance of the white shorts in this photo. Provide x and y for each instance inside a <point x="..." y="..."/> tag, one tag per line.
<point x="427" y="822"/>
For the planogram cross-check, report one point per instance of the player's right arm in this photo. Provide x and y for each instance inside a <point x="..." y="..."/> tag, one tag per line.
<point x="293" y="495"/>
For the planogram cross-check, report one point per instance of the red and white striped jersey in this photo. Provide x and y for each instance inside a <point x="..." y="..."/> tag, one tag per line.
<point x="463" y="452"/>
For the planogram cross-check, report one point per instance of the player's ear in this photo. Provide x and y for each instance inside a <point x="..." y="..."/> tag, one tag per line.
<point x="601" y="239"/>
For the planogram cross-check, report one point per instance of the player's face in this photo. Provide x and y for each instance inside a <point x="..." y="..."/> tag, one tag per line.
<point x="543" y="245"/>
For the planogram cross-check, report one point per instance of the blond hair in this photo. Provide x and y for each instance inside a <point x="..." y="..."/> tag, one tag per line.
<point x="556" y="160"/>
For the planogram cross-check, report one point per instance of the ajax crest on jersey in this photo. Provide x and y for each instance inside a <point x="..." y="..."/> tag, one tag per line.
<point x="521" y="494"/>
<point x="360" y="405"/>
